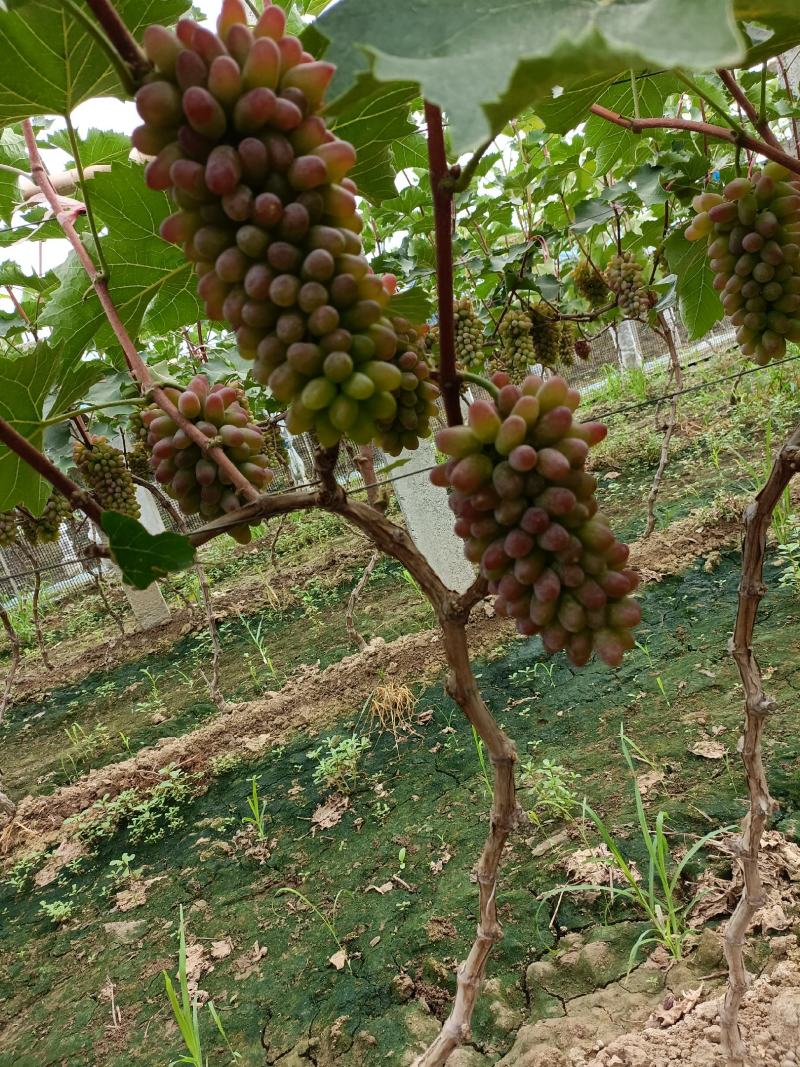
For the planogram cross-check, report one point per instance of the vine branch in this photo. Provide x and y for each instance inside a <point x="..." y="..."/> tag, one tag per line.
<point x="121" y="38"/>
<point x="740" y="96"/>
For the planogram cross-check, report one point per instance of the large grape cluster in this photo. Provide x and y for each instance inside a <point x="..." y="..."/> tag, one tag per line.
<point x="268" y="215"/>
<point x="106" y="475"/>
<point x="8" y="529"/>
<point x="274" y="446"/>
<point x="469" y="335"/>
<point x="624" y="278"/>
<point x="415" y="405"/>
<point x="138" y="459"/>
<point x="753" y="233"/>
<point x="45" y="529"/>
<point x="589" y="283"/>
<point x="517" y="351"/>
<point x="190" y="476"/>
<point x="566" y="343"/>
<point x="545" y="334"/>
<point x="526" y="509"/>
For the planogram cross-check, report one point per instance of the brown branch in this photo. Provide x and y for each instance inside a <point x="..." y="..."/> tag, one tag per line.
<point x="741" y="98"/>
<point x="8" y="685"/>
<point x="121" y="38"/>
<point x="357" y="590"/>
<point x="136" y="365"/>
<point x="37" y="589"/>
<point x="758" y="705"/>
<point x="669" y="429"/>
<point x="441" y="180"/>
<point x="718" y="132"/>
<point x="78" y="497"/>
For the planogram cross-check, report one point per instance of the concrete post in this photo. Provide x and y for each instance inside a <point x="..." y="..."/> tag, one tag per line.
<point x="148" y="605"/>
<point x="429" y="520"/>
<point x="630" y="351"/>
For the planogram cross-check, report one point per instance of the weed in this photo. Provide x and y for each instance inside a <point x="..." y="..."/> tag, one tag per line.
<point x="327" y="923"/>
<point x="657" y="895"/>
<point x="224" y="764"/>
<point x="552" y="790"/>
<point x="186" y="1011"/>
<point x="21" y="871"/>
<point x="258" y="808"/>
<point x="57" y="911"/>
<point x="392" y="707"/>
<point x="789" y="555"/>
<point x="337" y="762"/>
<point x="121" y="870"/>
<point x="479" y="748"/>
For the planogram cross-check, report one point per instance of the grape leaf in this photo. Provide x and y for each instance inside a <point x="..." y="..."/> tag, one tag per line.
<point x="51" y="63"/>
<point x="151" y="282"/>
<point x="24" y="383"/>
<point x="486" y="60"/>
<point x="12" y="154"/>
<point x="97" y="147"/>
<point x="373" y="122"/>
<point x="698" y="300"/>
<point x="413" y="304"/>
<point x="141" y="556"/>
<point x="607" y="142"/>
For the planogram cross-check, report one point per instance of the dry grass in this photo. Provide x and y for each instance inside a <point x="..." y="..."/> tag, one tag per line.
<point x="391" y="709"/>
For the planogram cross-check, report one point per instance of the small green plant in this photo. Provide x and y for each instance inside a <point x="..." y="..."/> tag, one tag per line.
<point x="224" y="764"/>
<point x="186" y="1011"/>
<point x="657" y="894"/>
<point x="258" y="811"/>
<point x="789" y="555"/>
<point x="57" y="911"/>
<point x="121" y="870"/>
<point x="401" y="860"/>
<point x="126" y="742"/>
<point x="479" y="748"/>
<point x="258" y="640"/>
<point x="19" y="875"/>
<point x="327" y="923"/>
<point x="338" y="762"/>
<point x="552" y="790"/>
<point x="153" y="701"/>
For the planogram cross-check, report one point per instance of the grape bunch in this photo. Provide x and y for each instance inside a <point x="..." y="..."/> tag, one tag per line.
<point x="589" y="283"/>
<point x="415" y="405"/>
<point x="268" y="215"/>
<point x="189" y="475"/>
<point x="45" y="529"/>
<point x="8" y="529"/>
<point x="546" y="334"/>
<point x="583" y="348"/>
<point x="138" y="459"/>
<point x="527" y="512"/>
<point x="469" y="335"/>
<point x="274" y="446"/>
<point x="104" y="472"/>
<point x="517" y="352"/>
<point x="566" y="343"/>
<point x="430" y="344"/>
<point x="753" y="233"/>
<point x="624" y="278"/>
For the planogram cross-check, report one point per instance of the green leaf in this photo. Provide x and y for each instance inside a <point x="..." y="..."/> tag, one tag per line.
<point x="151" y="282"/>
<point x="98" y="147"/>
<point x="591" y="213"/>
<point x="698" y="300"/>
<point x="609" y="143"/>
<point x="779" y="16"/>
<point x="413" y="304"/>
<point x="51" y="63"/>
<point x="373" y="122"/>
<point x="141" y="556"/>
<point x="486" y="60"/>
<point x="12" y="154"/>
<point x="24" y="383"/>
<point x="75" y="380"/>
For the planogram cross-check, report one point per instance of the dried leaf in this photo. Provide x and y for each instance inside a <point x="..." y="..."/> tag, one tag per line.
<point x="649" y="780"/>
<point x="673" y="1009"/>
<point x="220" y="950"/>
<point x="438" y="865"/>
<point x="774" y="918"/>
<point x="708" y="749"/>
<point x="387" y="887"/>
<point x="338" y="959"/>
<point x="329" y="814"/>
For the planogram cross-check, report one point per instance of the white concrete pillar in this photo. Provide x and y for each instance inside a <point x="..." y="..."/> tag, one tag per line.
<point x="628" y="346"/>
<point x="148" y="605"/>
<point x="429" y="520"/>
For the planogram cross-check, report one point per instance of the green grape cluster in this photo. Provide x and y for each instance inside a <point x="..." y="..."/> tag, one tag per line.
<point x="624" y="278"/>
<point x="545" y="334"/>
<point x="8" y="529"/>
<point x="589" y="283"/>
<point x="753" y="233"/>
<point x="566" y="343"/>
<point x="527" y="512"/>
<point x="106" y="475"/>
<point x="468" y="335"/>
<point x="188" y="475"/>
<point x="138" y="459"/>
<point x="274" y="446"/>
<point x="416" y="405"/>
<point x="583" y="348"/>
<point x="268" y="216"/>
<point x="45" y="529"/>
<point x="430" y="345"/>
<point x="517" y="346"/>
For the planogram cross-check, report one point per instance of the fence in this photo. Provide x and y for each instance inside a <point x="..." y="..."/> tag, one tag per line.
<point x="63" y="565"/>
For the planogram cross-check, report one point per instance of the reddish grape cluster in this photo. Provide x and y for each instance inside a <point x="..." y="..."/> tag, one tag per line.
<point x="105" y="473"/>
<point x="188" y="474"/>
<point x="268" y="215"/>
<point x="527" y="512"/>
<point x="753" y="233"/>
<point x="583" y="348"/>
<point x="415" y="397"/>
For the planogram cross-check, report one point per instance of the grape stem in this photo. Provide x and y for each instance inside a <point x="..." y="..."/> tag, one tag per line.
<point x="122" y="39"/>
<point x="476" y="379"/>
<point x="762" y="148"/>
<point x="759" y="121"/>
<point x="441" y="180"/>
<point x="120" y="64"/>
<point x="78" y="497"/>
<point x="136" y="365"/>
<point x="76" y="155"/>
<point x="67" y="415"/>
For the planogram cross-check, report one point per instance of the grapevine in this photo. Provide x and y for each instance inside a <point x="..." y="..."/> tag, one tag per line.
<point x="517" y="345"/>
<point x="104" y="471"/>
<point x="469" y="335"/>
<point x="546" y="334"/>
<point x="268" y="216"/>
<point x="527" y="512"/>
<point x="625" y="279"/>
<point x="752" y="231"/>
<point x="589" y="283"/>
<point x="46" y="528"/>
<point x="192" y="478"/>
